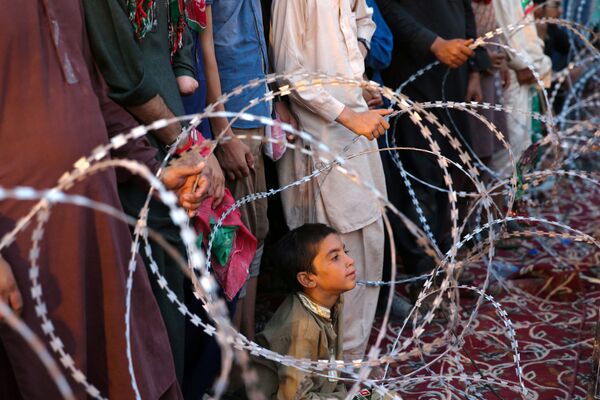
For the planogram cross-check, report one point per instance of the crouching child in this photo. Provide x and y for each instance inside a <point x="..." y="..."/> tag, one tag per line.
<point x="308" y="324"/>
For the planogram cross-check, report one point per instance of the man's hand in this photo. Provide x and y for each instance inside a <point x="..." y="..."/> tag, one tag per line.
<point x="373" y="97"/>
<point x="181" y="180"/>
<point x="9" y="292"/>
<point x="474" y="92"/>
<point x="284" y="114"/>
<point x="369" y="124"/>
<point x="234" y="157"/>
<point x="504" y="77"/>
<point x="498" y="59"/>
<point x="525" y="77"/>
<point x="187" y="85"/>
<point x="363" y="49"/>
<point x="216" y="181"/>
<point x="453" y="53"/>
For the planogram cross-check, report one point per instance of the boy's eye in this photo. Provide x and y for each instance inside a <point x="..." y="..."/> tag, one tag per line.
<point x="335" y="258"/>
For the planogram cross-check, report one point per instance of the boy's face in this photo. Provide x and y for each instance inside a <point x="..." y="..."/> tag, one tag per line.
<point x="333" y="267"/>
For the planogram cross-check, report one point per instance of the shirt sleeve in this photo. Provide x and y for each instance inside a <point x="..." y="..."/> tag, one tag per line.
<point x="287" y="38"/>
<point x="408" y="33"/>
<point x="183" y="60"/>
<point x="364" y="20"/>
<point x="117" y="121"/>
<point x="117" y="54"/>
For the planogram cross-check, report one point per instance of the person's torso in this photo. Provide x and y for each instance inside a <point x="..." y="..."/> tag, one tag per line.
<point x="241" y="54"/>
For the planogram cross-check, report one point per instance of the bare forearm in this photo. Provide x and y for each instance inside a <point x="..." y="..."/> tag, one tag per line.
<point x="211" y="70"/>
<point x="153" y="110"/>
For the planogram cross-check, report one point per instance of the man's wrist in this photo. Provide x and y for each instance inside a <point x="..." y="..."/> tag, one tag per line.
<point x="435" y="46"/>
<point x="365" y="42"/>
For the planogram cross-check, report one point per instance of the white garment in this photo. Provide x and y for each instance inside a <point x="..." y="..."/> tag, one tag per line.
<point x="517" y="97"/>
<point x="366" y="248"/>
<point x="526" y="40"/>
<point x="531" y="52"/>
<point x="310" y="36"/>
<point x="322" y="36"/>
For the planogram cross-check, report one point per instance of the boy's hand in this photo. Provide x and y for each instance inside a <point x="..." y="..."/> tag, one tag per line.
<point x="235" y="158"/>
<point x="9" y="292"/>
<point x="369" y="124"/>
<point x="453" y="53"/>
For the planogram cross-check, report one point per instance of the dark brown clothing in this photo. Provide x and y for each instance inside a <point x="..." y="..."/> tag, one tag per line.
<point x="50" y="116"/>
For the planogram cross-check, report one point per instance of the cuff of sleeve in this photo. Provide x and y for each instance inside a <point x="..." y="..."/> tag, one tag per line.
<point x="184" y="71"/>
<point x="332" y="111"/>
<point x="142" y="93"/>
<point x="516" y="64"/>
<point x="424" y="41"/>
<point x="365" y="33"/>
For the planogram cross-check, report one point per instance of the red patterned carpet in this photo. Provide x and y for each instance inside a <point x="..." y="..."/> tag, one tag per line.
<point x="552" y="302"/>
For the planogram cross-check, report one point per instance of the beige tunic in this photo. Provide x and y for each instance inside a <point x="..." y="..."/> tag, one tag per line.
<point x="322" y="36"/>
<point x="296" y="331"/>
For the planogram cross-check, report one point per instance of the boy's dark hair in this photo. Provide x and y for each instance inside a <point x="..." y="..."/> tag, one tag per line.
<point x="296" y="251"/>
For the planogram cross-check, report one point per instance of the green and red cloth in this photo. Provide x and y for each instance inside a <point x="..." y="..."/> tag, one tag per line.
<point x="182" y="13"/>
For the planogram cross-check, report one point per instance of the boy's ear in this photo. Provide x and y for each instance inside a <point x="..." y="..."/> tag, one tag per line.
<point x="305" y="280"/>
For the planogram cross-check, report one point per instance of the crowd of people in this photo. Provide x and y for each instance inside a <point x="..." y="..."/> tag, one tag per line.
<point x="94" y="69"/>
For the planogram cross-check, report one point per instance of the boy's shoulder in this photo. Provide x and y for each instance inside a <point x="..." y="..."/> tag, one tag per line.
<point x="290" y="320"/>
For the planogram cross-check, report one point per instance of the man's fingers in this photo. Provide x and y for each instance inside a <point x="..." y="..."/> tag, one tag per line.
<point x="230" y="175"/>
<point x="243" y="171"/>
<point x="218" y="196"/>
<point x="462" y="57"/>
<point x="385" y="125"/>
<point x="16" y="301"/>
<point x="249" y="161"/>
<point x="384" y="111"/>
<point x="466" y="51"/>
<point x="294" y="123"/>
<point x="185" y="170"/>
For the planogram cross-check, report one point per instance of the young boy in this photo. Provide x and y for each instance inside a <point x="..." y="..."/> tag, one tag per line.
<point x="307" y="325"/>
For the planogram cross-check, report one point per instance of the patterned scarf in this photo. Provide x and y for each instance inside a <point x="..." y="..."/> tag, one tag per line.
<point x="182" y="13"/>
<point x="527" y="6"/>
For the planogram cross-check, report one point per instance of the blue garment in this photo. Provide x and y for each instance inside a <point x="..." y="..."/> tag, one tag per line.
<point x="197" y="102"/>
<point x="382" y="43"/>
<point x="241" y="54"/>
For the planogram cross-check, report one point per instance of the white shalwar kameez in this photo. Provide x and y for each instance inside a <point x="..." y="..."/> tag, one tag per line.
<point x="519" y="97"/>
<point x="322" y="36"/>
